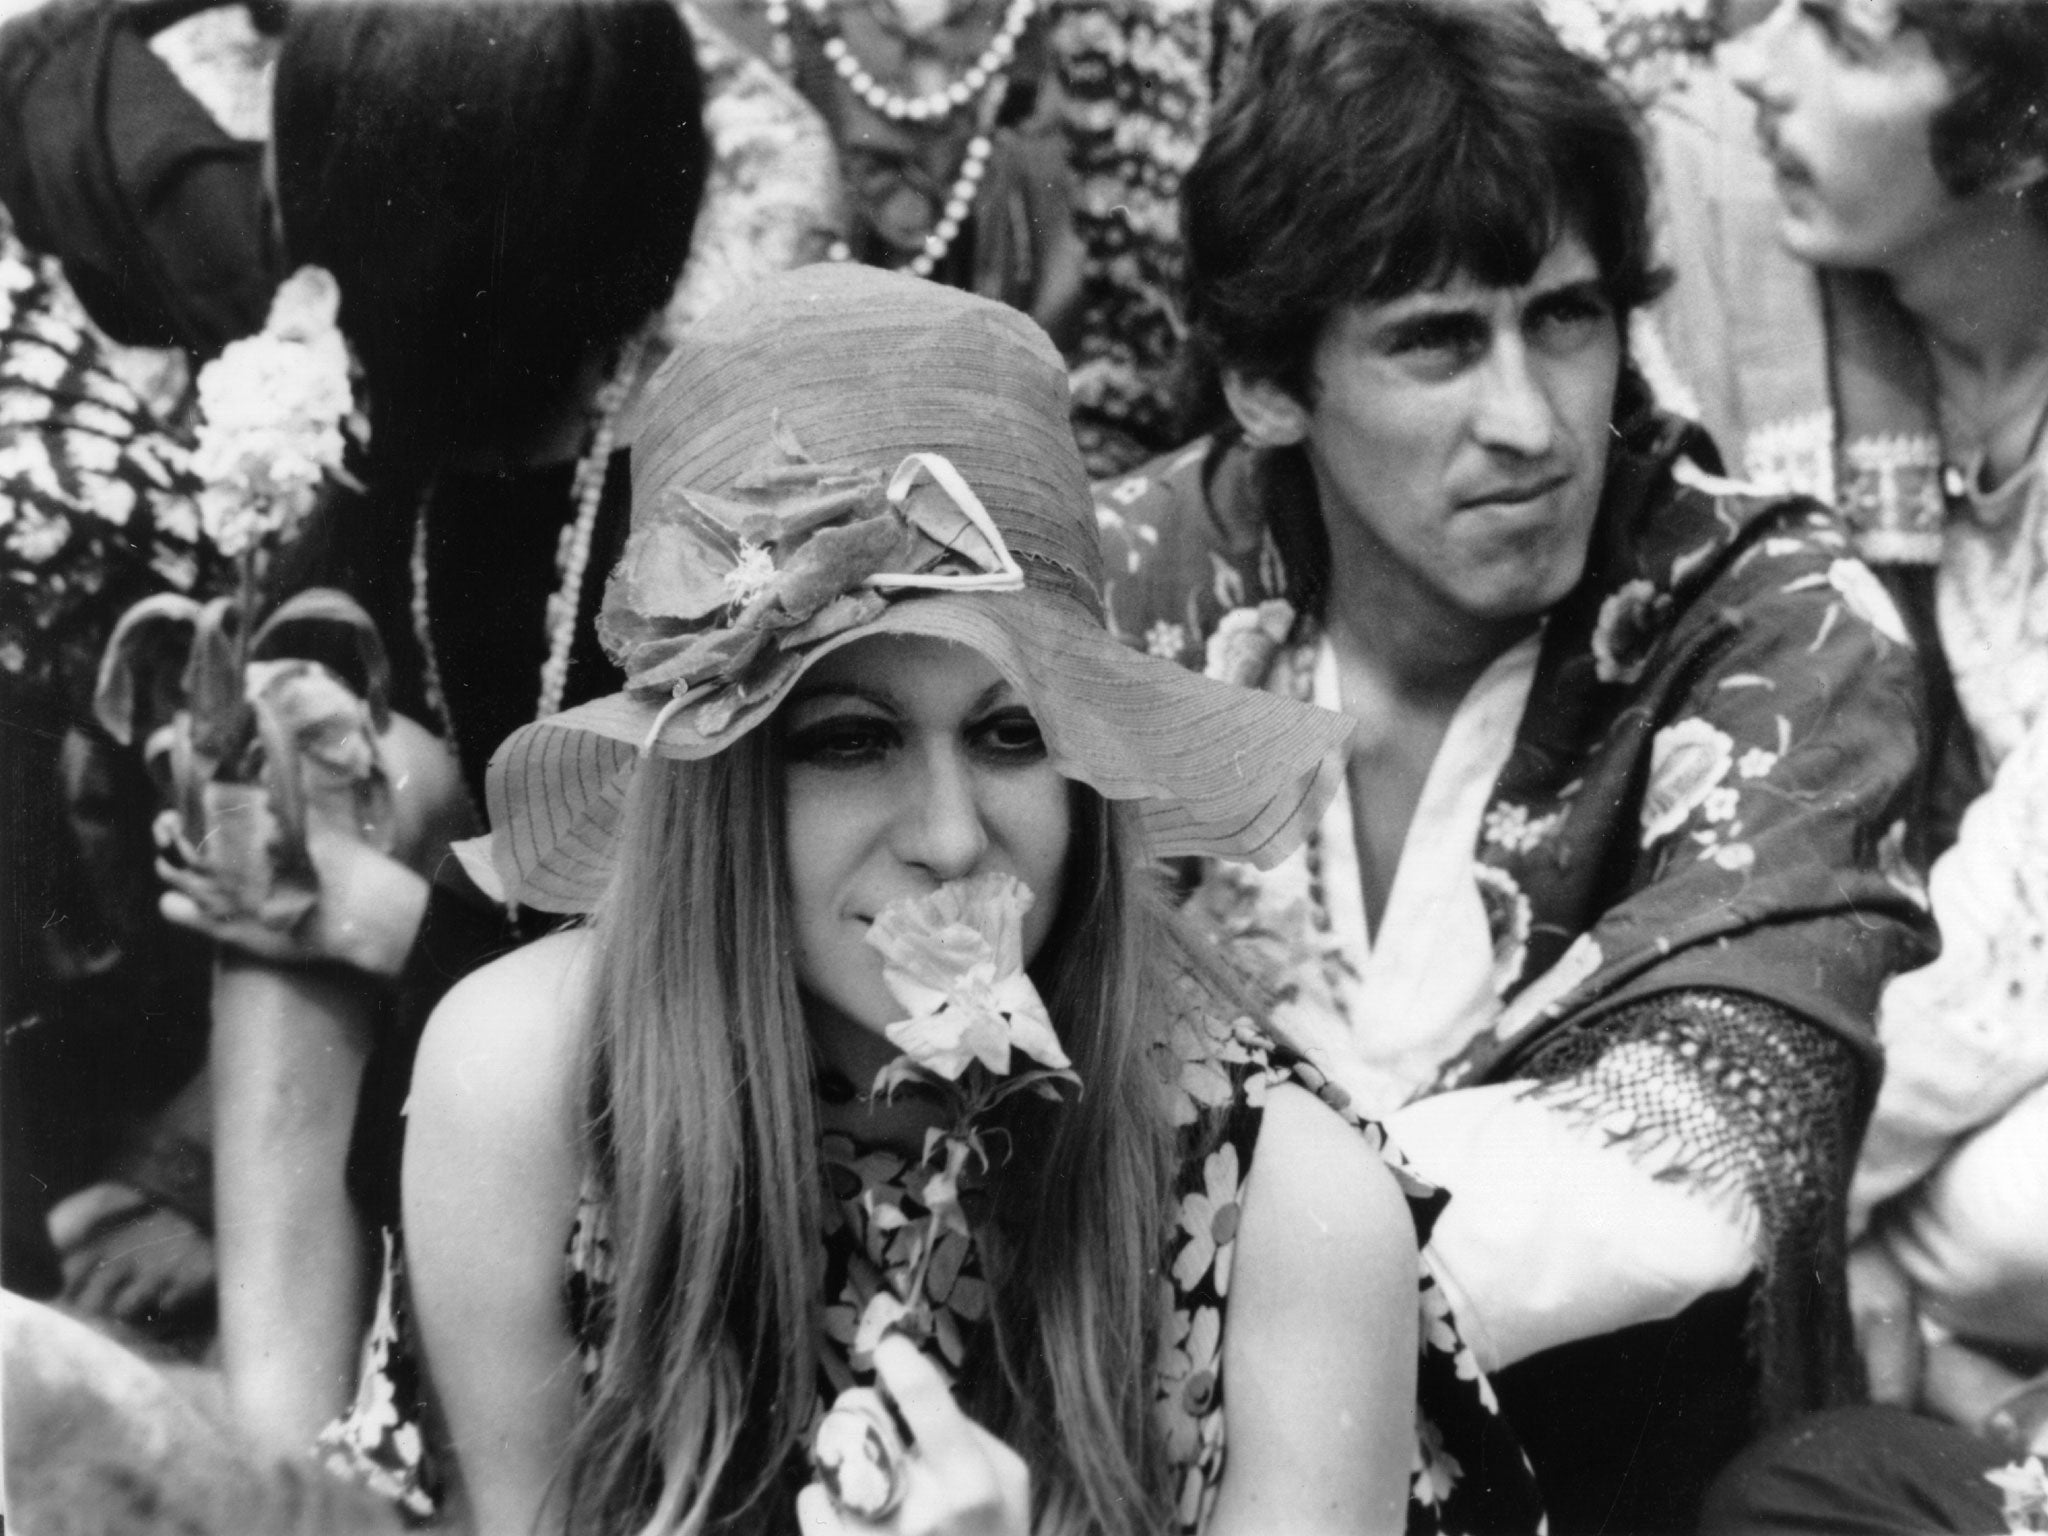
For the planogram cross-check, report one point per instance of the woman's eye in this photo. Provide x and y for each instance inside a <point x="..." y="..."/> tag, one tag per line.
<point x="841" y="743"/>
<point x="1012" y="736"/>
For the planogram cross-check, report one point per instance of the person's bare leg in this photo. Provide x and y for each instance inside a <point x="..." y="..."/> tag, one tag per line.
<point x="289" y="1047"/>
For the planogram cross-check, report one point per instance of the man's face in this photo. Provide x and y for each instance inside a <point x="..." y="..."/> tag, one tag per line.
<point x="1845" y="102"/>
<point x="1459" y="434"/>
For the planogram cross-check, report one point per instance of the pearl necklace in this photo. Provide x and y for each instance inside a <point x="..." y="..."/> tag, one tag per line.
<point x="572" y="554"/>
<point x="932" y="107"/>
<point x="987" y="76"/>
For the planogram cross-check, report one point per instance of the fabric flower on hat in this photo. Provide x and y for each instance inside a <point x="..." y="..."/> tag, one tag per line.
<point x="955" y="959"/>
<point x="717" y="597"/>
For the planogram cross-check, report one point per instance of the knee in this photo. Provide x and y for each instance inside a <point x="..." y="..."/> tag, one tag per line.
<point x="430" y="803"/>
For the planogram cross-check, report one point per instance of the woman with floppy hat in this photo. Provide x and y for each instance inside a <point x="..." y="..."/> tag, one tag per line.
<point x="689" y="1191"/>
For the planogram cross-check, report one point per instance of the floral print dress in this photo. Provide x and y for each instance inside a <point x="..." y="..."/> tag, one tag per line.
<point x="1468" y="1472"/>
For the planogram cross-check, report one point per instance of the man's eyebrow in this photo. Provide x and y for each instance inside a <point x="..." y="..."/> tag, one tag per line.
<point x="1429" y="306"/>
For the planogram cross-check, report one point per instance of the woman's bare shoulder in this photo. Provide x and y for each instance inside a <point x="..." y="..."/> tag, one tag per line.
<point x="502" y="1049"/>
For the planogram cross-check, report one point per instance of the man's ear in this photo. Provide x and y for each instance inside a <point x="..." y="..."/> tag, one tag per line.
<point x="1269" y="415"/>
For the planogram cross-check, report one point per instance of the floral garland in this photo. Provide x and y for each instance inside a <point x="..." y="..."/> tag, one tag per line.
<point x="955" y="960"/>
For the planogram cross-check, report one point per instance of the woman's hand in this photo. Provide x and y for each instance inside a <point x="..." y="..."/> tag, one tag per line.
<point x="370" y="903"/>
<point x="367" y="915"/>
<point x="958" y="1479"/>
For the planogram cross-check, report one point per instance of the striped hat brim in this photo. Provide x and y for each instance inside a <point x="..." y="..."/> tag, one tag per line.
<point x="1217" y="770"/>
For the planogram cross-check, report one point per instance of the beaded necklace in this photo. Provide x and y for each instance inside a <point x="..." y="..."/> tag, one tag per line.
<point x="986" y="79"/>
<point x="572" y="554"/>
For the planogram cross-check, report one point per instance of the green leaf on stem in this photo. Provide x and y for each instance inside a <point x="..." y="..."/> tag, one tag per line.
<point x="132" y="658"/>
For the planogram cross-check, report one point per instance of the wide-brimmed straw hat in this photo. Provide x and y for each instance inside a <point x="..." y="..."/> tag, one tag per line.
<point x="844" y="452"/>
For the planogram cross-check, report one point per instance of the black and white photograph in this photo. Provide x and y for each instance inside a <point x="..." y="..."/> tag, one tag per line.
<point x="1024" y="767"/>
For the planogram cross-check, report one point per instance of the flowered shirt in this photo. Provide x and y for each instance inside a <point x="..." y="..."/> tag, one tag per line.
<point x="96" y="499"/>
<point x="1468" y="1473"/>
<point x="1707" y="784"/>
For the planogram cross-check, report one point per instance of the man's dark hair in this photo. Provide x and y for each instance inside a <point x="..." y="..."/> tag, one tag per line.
<point x="1372" y="148"/>
<point x="499" y="188"/>
<point x="1996" y="52"/>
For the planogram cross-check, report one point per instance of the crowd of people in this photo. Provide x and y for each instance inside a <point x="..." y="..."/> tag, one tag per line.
<point x="1094" y="766"/>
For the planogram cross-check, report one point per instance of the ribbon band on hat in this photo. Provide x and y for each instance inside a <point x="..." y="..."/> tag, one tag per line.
<point x="997" y="571"/>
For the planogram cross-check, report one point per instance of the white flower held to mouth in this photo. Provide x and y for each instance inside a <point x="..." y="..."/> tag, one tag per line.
<point x="955" y="960"/>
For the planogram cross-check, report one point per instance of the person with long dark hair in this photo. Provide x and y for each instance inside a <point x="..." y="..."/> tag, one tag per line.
<point x="505" y="195"/>
<point x="660" y="1208"/>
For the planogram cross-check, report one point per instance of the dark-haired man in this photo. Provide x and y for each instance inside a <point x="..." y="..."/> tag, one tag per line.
<point x="1600" y="924"/>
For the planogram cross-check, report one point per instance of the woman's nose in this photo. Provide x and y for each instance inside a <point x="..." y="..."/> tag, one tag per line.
<point x="940" y="827"/>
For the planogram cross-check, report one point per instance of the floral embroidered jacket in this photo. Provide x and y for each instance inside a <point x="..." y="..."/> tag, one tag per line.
<point x="1707" y="786"/>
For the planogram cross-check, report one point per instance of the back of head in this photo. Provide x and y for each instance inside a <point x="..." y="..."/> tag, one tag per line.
<point x="1375" y="147"/>
<point x="1996" y="127"/>
<point x="501" y="188"/>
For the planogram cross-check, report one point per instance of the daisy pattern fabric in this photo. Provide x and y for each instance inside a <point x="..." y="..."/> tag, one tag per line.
<point x="1720" y="743"/>
<point x="1216" y="1067"/>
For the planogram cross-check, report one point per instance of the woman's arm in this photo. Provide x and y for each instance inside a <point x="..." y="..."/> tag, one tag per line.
<point x="287" y="1051"/>
<point x="493" y="1166"/>
<point x="1319" y="1360"/>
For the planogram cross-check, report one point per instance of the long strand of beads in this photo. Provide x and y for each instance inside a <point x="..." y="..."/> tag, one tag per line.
<point x="931" y="107"/>
<point x="422" y="624"/>
<point x="781" y="47"/>
<point x="959" y="204"/>
<point x="572" y="553"/>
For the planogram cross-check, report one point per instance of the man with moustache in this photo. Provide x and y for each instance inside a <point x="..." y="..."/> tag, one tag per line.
<point x="1599" y="919"/>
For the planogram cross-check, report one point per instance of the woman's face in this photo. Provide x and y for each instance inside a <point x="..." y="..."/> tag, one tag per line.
<point x="1846" y="97"/>
<point x="909" y="762"/>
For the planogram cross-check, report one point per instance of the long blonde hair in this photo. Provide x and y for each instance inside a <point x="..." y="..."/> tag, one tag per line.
<point x="703" y="1136"/>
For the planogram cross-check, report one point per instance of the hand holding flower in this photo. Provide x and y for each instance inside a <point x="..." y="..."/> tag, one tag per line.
<point x="954" y="1478"/>
<point x="955" y="960"/>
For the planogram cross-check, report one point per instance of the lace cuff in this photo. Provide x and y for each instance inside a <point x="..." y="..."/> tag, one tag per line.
<point x="1755" y="1103"/>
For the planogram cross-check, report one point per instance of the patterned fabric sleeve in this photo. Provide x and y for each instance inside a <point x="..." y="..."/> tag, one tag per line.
<point x="1709" y="785"/>
<point x="1468" y="1472"/>
<point x="1735" y="1095"/>
<point x="96" y="507"/>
